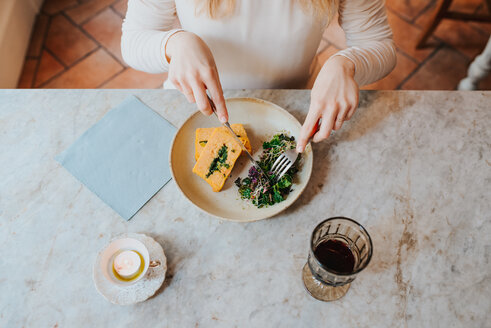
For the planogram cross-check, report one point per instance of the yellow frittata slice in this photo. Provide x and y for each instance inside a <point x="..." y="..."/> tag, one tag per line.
<point x="217" y="158"/>
<point x="204" y="134"/>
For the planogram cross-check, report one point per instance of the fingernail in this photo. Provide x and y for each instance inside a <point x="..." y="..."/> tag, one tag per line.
<point x="299" y="149"/>
<point x="223" y="119"/>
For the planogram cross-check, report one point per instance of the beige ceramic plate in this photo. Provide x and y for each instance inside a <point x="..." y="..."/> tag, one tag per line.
<point x="261" y="120"/>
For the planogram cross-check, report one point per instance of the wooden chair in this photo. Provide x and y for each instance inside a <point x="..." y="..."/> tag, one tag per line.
<point x="442" y="11"/>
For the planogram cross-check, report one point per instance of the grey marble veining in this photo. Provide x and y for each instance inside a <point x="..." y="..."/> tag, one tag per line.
<point x="413" y="167"/>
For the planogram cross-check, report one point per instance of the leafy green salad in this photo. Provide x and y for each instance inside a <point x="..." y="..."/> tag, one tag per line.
<point x="268" y="190"/>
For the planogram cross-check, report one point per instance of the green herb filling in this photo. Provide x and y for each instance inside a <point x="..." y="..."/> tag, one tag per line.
<point x="219" y="161"/>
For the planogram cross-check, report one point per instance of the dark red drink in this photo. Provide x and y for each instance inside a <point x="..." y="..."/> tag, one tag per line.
<point x="335" y="255"/>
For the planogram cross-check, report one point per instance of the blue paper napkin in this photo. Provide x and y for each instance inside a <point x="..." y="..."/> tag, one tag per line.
<point x="123" y="158"/>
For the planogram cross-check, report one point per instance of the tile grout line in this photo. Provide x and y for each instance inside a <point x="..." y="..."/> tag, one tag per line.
<point x="476" y="27"/>
<point x="438" y="48"/>
<point x="69" y="67"/>
<point x="59" y="11"/>
<point x="399" y="16"/>
<point x="409" y="57"/>
<point x="43" y="42"/>
<point x="93" y="16"/>
<point x="87" y="34"/>
<point x="451" y="46"/>
<point x="413" y="23"/>
<point x="65" y="66"/>
<point x="422" y="11"/>
<point x="115" y="1"/>
<point x="110" y="78"/>
<point x="116" y="12"/>
<point x="437" y="39"/>
<point x="398" y="49"/>
<point x="417" y="68"/>
<point x="111" y="6"/>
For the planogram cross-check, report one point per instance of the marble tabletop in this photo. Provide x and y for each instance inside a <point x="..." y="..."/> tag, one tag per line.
<point x="413" y="167"/>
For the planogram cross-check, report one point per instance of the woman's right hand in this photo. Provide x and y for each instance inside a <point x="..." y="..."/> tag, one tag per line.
<point x="192" y="70"/>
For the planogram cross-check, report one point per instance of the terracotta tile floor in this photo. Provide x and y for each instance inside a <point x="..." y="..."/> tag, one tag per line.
<point x="76" y="44"/>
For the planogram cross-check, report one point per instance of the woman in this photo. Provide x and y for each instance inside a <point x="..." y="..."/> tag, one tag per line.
<point x="261" y="44"/>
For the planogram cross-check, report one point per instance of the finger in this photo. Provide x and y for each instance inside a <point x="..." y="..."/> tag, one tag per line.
<point x="307" y="128"/>
<point x="341" y="117"/>
<point x="353" y="107"/>
<point x="173" y="80"/>
<point x="327" y="123"/>
<point x="216" y="92"/>
<point x="201" y="98"/>
<point x="351" y="113"/>
<point x="188" y="92"/>
<point x="177" y="85"/>
<point x="338" y="122"/>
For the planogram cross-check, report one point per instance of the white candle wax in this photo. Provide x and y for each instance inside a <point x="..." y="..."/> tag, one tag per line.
<point x="127" y="264"/>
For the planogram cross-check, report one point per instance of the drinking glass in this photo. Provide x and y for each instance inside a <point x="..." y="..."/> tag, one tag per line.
<point x="324" y="283"/>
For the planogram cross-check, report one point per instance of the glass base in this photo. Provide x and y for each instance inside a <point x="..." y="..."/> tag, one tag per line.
<point x="320" y="290"/>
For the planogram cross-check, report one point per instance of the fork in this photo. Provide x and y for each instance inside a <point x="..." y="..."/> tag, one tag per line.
<point x="285" y="161"/>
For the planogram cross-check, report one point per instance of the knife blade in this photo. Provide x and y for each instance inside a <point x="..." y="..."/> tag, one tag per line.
<point x="227" y="125"/>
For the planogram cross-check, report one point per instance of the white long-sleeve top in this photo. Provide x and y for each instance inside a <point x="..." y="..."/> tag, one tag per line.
<point x="264" y="44"/>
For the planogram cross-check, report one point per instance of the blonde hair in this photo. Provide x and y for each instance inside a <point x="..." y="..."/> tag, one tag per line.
<point x="222" y="8"/>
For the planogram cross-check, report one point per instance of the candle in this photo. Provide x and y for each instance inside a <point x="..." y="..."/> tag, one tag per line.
<point x="127" y="264"/>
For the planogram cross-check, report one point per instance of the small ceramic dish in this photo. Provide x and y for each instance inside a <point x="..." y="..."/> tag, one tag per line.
<point x="122" y="244"/>
<point x="147" y="283"/>
<point x="262" y="120"/>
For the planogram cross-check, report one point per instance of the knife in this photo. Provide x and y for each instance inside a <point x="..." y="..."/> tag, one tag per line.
<point x="227" y="125"/>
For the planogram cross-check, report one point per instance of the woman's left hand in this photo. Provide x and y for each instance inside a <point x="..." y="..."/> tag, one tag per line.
<point x="334" y="99"/>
